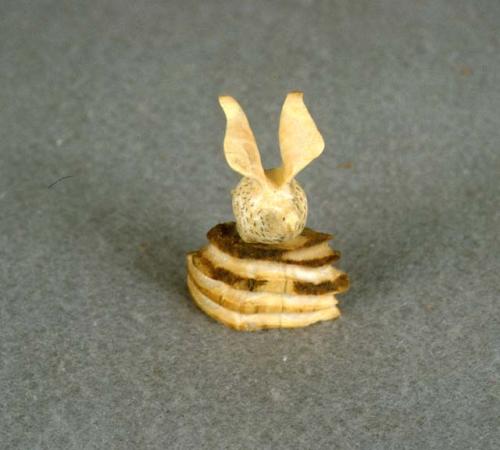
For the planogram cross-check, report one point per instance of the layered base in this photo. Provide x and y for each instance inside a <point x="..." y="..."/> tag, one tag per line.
<point x="255" y="286"/>
<point x="258" y="321"/>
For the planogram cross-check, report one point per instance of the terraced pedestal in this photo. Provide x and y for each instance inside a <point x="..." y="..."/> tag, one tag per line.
<point x="254" y="286"/>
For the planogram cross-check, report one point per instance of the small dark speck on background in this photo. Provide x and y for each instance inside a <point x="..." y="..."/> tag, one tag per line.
<point x="466" y="71"/>
<point x="58" y="180"/>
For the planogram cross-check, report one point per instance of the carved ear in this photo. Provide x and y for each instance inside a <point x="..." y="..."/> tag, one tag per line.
<point x="300" y="139"/>
<point x="240" y="147"/>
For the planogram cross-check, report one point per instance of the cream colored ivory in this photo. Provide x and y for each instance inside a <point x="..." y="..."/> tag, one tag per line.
<point x="266" y="270"/>
<point x="247" y="301"/>
<point x="314" y="252"/>
<point x="269" y="205"/>
<point x="260" y="269"/>
<point x="251" y="322"/>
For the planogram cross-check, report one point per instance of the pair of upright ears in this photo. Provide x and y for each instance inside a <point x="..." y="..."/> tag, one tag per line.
<point x="299" y="138"/>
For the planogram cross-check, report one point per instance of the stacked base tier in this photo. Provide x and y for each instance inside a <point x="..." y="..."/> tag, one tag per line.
<point x="254" y="286"/>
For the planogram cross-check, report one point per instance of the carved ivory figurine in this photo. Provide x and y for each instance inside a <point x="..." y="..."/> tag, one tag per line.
<point x="269" y="205"/>
<point x="267" y="270"/>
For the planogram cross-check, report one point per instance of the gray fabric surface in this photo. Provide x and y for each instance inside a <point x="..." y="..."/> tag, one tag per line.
<point x="101" y="347"/>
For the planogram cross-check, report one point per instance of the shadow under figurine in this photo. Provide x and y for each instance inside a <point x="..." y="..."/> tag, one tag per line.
<point x="268" y="270"/>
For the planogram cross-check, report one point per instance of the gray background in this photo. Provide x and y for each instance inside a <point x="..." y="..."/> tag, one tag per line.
<point x="101" y="347"/>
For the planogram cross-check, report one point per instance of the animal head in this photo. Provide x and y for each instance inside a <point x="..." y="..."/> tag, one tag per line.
<point x="269" y="205"/>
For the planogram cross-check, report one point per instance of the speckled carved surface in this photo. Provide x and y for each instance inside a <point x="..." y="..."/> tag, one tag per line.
<point x="253" y="286"/>
<point x="260" y="216"/>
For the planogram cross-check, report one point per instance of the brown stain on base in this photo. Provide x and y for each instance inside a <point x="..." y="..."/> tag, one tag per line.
<point x="226" y="238"/>
<point x="314" y="262"/>
<point x="340" y="284"/>
<point x="205" y="266"/>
